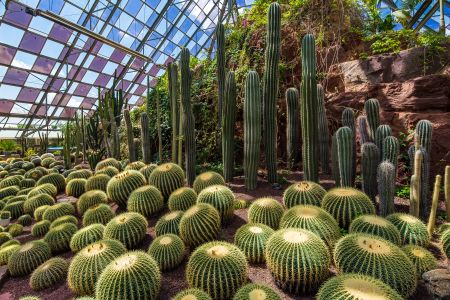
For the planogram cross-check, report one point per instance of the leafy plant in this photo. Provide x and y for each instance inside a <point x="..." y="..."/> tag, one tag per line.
<point x="8" y="145"/>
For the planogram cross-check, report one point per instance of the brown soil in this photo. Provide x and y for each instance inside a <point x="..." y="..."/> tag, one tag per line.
<point x="174" y="281"/>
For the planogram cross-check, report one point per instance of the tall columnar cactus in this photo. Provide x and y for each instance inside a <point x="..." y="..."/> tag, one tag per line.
<point x="252" y="129"/>
<point x="344" y="138"/>
<point x="382" y="132"/>
<point x="348" y="119"/>
<point x="220" y="37"/>
<point x="372" y="110"/>
<point x="67" y="146"/>
<point x="447" y="191"/>
<point x="391" y="149"/>
<point x="293" y="126"/>
<point x="174" y="107"/>
<point x="188" y="117"/>
<point x="434" y="204"/>
<point x="424" y="131"/>
<point x="335" y="160"/>
<point x="228" y="126"/>
<point x="130" y="138"/>
<point x="270" y="89"/>
<point x="369" y="162"/>
<point x="363" y="129"/>
<point x="324" y="135"/>
<point x="145" y="136"/>
<point x="416" y="186"/>
<point x="309" y="111"/>
<point x="386" y="187"/>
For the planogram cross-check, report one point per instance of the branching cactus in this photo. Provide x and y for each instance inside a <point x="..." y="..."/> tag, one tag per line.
<point x="348" y="119"/>
<point x="174" y="107"/>
<point x="344" y="139"/>
<point x="309" y="110"/>
<point x="130" y="138"/>
<point x="372" y="110"/>
<point x="252" y="129"/>
<point x="382" y="132"/>
<point x="145" y="135"/>
<point x="434" y="205"/>
<point x="363" y="130"/>
<point x="270" y="89"/>
<point x="324" y="135"/>
<point x="386" y="187"/>
<point x="293" y="126"/>
<point x="188" y="117"/>
<point x="220" y="37"/>
<point x="228" y="127"/>
<point x="369" y="165"/>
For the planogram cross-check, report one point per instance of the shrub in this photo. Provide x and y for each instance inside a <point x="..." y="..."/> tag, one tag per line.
<point x="169" y="223"/>
<point x="207" y="179"/>
<point x="97" y="182"/>
<point x="58" y="210"/>
<point x="121" y="185"/>
<point x="303" y="192"/>
<point x="422" y="259"/>
<point x="56" y="179"/>
<point x="76" y="187"/>
<point x="266" y="211"/>
<point x="129" y="228"/>
<point x="101" y="213"/>
<point x="40" y="228"/>
<point x="58" y="238"/>
<point x="252" y="240"/>
<point x="168" y="250"/>
<point x="412" y="230"/>
<point x="253" y="291"/>
<point x="167" y="178"/>
<point x="182" y="199"/>
<point x="86" y="236"/>
<point x="379" y="226"/>
<point x="199" y="224"/>
<point x="146" y="200"/>
<point x="49" y="273"/>
<point x="28" y="258"/>
<point x="90" y="199"/>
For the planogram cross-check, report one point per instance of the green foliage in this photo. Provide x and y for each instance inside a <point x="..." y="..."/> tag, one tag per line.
<point x="168" y="250"/>
<point x="303" y="192"/>
<point x="146" y="200"/>
<point x="266" y="211"/>
<point x="199" y="224"/>
<point x="129" y="228"/>
<point x="169" y="223"/>
<point x="28" y="258"/>
<point x="8" y="145"/>
<point x="252" y="240"/>
<point x="49" y="273"/>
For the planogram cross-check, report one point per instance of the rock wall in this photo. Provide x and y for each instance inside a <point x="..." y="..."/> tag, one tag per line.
<point x="407" y="92"/>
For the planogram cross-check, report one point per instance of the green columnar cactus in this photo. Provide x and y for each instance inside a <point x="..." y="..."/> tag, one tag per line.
<point x="252" y="240"/>
<point x="199" y="224"/>
<point x="55" y="179"/>
<point x="145" y="134"/>
<point x="363" y="130"/>
<point x="182" y="198"/>
<point x="324" y="135"/>
<point x="229" y="126"/>
<point x="218" y="268"/>
<point x="375" y="225"/>
<point x="169" y="223"/>
<point x="424" y="132"/>
<point x="76" y="187"/>
<point x="252" y="129"/>
<point x="291" y="253"/>
<point x="49" y="273"/>
<point x="172" y="76"/>
<point x="58" y="238"/>
<point x="345" y="140"/>
<point x="422" y="259"/>
<point x="372" y="111"/>
<point x="447" y="191"/>
<point x="130" y="137"/>
<point x="303" y="192"/>
<point x="192" y="294"/>
<point x="40" y="228"/>
<point x="335" y="160"/>
<point x="123" y="184"/>
<point x="382" y="132"/>
<point x="46" y="188"/>
<point x="292" y="126"/>
<point x="146" y="200"/>
<point x="221" y="70"/>
<point x="168" y="250"/>
<point x="25" y="220"/>
<point x="32" y="203"/>
<point x="108" y="162"/>
<point x="369" y="164"/>
<point x="434" y="205"/>
<point x="267" y="211"/>
<point x="416" y="186"/>
<point x="188" y="117"/>
<point x="386" y="187"/>
<point x="100" y="213"/>
<point x="85" y="236"/>
<point x="221" y="198"/>
<point x="270" y="89"/>
<point x="356" y="287"/>
<point x="314" y="219"/>
<point x="207" y="179"/>
<point x="345" y="204"/>
<point x="129" y="228"/>
<point x="412" y="230"/>
<point x="252" y="291"/>
<point x="167" y="178"/>
<point x="5" y="253"/>
<point x="391" y="148"/>
<point x="58" y="210"/>
<point x="309" y="110"/>
<point x="23" y="261"/>
<point x="97" y="182"/>
<point x="374" y="256"/>
<point x="348" y="120"/>
<point x="86" y="267"/>
<point x="134" y="275"/>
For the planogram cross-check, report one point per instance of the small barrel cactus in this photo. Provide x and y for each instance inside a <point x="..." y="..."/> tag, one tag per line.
<point x="168" y="250"/>
<point x="79" y="173"/>
<point x="146" y="200"/>
<point x="5" y="253"/>
<point x="108" y="162"/>
<point x="40" y="228"/>
<point x="412" y="230"/>
<point x="90" y="199"/>
<point x="146" y="170"/>
<point x="63" y="220"/>
<point x="58" y="238"/>
<point x="192" y="294"/>
<point x="39" y="212"/>
<point x="207" y="179"/>
<point x="30" y="205"/>
<point x="97" y="182"/>
<point x="445" y="241"/>
<point x="167" y="178"/>
<point x="252" y="240"/>
<point x="58" y="210"/>
<point x="15" y="208"/>
<point x="46" y="188"/>
<point x="267" y="211"/>
<point x="129" y="228"/>
<point x="109" y="170"/>
<point x="375" y="225"/>
<point x="218" y="268"/>
<point x="123" y="184"/>
<point x="135" y="165"/>
<point x="182" y="198"/>
<point x="28" y="258"/>
<point x="422" y="259"/>
<point x="303" y="192"/>
<point x="76" y="187"/>
<point x="56" y="179"/>
<point x="169" y="223"/>
<point x="49" y="273"/>
<point x="199" y="224"/>
<point x="25" y="220"/>
<point x="101" y="213"/>
<point x="85" y="236"/>
<point x="221" y="197"/>
<point x="254" y="291"/>
<point x="15" y="229"/>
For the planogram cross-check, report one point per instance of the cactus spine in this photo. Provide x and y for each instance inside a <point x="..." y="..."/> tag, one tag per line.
<point x="292" y="128"/>
<point x="391" y="149"/>
<point x="145" y="134"/>
<point x="309" y="110"/>
<point x="424" y="131"/>
<point x="382" y="132"/>
<point x="362" y="129"/>
<point x="434" y="205"/>
<point x="174" y="105"/>
<point x="369" y="162"/>
<point x="372" y="110"/>
<point x="348" y="119"/>
<point x="344" y="138"/>
<point x="324" y="135"/>
<point x="415" y="190"/>
<point x="447" y="191"/>
<point x="188" y="117"/>
<point x="386" y="187"/>
<point x="335" y="160"/>
<point x="228" y="126"/>
<point x="130" y="139"/>
<point x="220" y="36"/>
<point x="270" y="89"/>
<point x="252" y="129"/>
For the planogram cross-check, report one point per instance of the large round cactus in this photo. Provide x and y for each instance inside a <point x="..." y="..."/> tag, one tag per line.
<point x="146" y="200"/>
<point x="15" y="209"/>
<point x="345" y="204"/>
<point x="28" y="258"/>
<point x="356" y="287"/>
<point x="207" y="179"/>
<point x="135" y="165"/>
<point x="371" y="255"/>
<point x="56" y="179"/>
<point x="167" y="178"/>
<point x="46" y="188"/>
<point x="129" y="228"/>
<point x="169" y="223"/>
<point x="5" y="253"/>
<point x="30" y="205"/>
<point x="291" y="254"/>
<point x="123" y="184"/>
<point x="256" y="291"/>
<point x="109" y="170"/>
<point x="412" y="230"/>
<point x="39" y="212"/>
<point x="146" y="170"/>
<point x="101" y="213"/>
<point x="422" y="259"/>
<point x="76" y="187"/>
<point x="192" y="294"/>
<point x="134" y="275"/>
<point x="182" y="198"/>
<point x="266" y="211"/>
<point x="108" y="162"/>
<point x="252" y="240"/>
<point x="49" y="273"/>
<point x="218" y="268"/>
<point x="303" y="192"/>
<point x="86" y="236"/>
<point x="86" y="266"/>
<point x="168" y="250"/>
<point x="379" y="226"/>
<point x="58" y="238"/>
<point x="63" y="220"/>
<point x="40" y="228"/>
<point x="221" y="197"/>
<point x="97" y="182"/>
<point x="90" y="199"/>
<point x="199" y="224"/>
<point x="314" y="219"/>
<point x="58" y="210"/>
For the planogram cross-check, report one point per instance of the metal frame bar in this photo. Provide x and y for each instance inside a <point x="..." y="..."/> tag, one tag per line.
<point x="427" y="16"/>
<point x="419" y="13"/>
